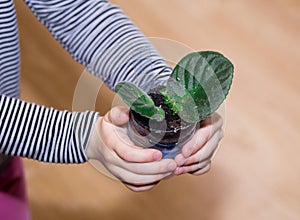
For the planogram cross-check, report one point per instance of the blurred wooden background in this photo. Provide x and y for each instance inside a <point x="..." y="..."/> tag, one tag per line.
<point x="256" y="173"/>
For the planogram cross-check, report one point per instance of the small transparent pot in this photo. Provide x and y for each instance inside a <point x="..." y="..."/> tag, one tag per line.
<point x="154" y="134"/>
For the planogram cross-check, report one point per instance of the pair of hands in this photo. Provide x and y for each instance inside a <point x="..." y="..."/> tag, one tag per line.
<point x="141" y="169"/>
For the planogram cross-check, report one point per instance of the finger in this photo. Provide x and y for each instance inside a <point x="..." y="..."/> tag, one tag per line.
<point x="202" y="170"/>
<point x="118" y="115"/>
<point x="158" y="167"/>
<point x="136" y="179"/>
<point x="123" y="147"/>
<point x="205" y="153"/>
<point x="135" y="154"/>
<point x="180" y="160"/>
<point x="191" y="168"/>
<point x="215" y="117"/>
<point x="208" y="128"/>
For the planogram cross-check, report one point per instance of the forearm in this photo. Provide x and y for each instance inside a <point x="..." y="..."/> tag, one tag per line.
<point x="43" y="134"/>
<point x="98" y="35"/>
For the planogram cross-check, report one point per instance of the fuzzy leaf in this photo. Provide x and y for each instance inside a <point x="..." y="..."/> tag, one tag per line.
<point x="139" y="101"/>
<point x="199" y="84"/>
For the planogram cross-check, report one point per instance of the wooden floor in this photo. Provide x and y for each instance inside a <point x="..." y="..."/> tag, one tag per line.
<point x="256" y="173"/>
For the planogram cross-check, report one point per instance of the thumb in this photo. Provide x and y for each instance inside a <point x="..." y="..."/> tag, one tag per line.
<point x="117" y="115"/>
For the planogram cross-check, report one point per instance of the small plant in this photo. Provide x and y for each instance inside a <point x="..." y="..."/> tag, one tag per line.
<point x="196" y="88"/>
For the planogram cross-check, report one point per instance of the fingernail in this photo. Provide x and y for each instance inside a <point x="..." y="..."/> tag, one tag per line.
<point x="181" y="161"/>
<point x="157" y="155"/>
<point x="172" y="166"/>
<point x="188" y="152"/>
<point x="178" y="171"/>
<point x="123" y="114"/>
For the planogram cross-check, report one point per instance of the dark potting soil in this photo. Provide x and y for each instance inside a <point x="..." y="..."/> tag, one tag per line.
<point x="172" y="120"/>
<point x="172" y="128"/>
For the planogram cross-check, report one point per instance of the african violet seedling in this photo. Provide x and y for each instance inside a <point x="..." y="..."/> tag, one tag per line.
<point x="196" y="88"/>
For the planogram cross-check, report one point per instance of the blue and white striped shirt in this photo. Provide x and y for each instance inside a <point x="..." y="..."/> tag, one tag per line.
<point x="98" y="35"/>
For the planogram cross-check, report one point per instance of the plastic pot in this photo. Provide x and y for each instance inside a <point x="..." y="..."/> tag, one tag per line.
<point x="158" y="135"/>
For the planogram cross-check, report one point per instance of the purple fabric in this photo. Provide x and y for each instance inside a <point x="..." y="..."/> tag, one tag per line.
<point x="13" y="199"/>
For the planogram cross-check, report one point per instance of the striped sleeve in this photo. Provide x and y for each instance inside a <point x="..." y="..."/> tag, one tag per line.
<point x="101" y="37"/>
<point x="9" y="50"/>
<point x="44" y="134"/>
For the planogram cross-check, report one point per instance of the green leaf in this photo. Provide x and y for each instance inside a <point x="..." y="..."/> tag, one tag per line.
<point x="199" y="84"/>
<point x="139" y="101"/>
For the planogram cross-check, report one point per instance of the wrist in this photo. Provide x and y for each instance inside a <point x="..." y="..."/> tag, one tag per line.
<point x="92" y="149"/>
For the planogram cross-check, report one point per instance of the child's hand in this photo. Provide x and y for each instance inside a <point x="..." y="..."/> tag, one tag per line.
<point x="197" y="153"/>
<point x="139" y="169"/>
